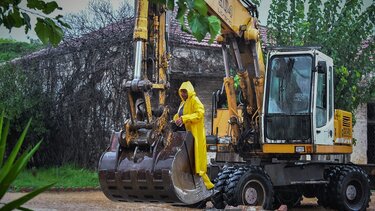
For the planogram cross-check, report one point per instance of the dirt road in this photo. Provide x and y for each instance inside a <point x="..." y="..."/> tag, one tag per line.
<point x="95" y="200"/>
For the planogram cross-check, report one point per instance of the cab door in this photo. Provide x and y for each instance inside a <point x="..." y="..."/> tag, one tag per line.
<point x="323" y="121"/>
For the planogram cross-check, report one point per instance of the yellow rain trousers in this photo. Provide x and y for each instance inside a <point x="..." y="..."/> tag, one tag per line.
<point x="193" y="119"/>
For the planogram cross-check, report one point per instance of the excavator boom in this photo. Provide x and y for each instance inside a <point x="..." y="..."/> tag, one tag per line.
<point x="240" y="33"/>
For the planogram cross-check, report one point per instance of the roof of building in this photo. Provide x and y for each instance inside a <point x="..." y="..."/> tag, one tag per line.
<point x="125" y="29"/>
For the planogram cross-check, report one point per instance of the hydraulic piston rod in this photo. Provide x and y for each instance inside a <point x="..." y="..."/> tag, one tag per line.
<point x="138" y="60"/>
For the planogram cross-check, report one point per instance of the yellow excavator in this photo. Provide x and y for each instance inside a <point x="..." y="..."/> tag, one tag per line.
<point x="281" y="139"/>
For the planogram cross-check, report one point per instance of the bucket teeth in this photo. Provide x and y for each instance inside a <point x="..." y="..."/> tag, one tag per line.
<point x="138" y="186"/>
<point x="163" y="175"/>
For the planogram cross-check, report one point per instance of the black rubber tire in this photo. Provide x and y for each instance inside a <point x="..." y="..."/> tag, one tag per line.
<point x="352" y="189"/>
<point x="322" y="196"/>
<point x="250" y="186"/>
<point x="220" y="182"/>
<point x="327" y="192"/>
<point x="231" y="184"/>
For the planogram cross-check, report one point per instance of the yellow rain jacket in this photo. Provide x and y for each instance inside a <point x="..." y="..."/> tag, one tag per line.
<point x="193" y="119"/>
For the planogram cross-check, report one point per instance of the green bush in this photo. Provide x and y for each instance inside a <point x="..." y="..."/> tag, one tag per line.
<point x="20" y="91"/>
<point x="21" y="95"/>
<point x="11" y="49"/>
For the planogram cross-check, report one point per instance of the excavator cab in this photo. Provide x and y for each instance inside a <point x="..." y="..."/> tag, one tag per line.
<point x="288" y="99"/>
<point x="299" y="90"/>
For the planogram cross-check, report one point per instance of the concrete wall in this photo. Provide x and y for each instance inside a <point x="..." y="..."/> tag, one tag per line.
<point x="201" y="66"/>
<point x="359" y="155"/>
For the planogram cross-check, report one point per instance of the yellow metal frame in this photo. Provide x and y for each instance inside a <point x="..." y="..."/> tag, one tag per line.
<point x="162" y="56"/>
<point x="140" y="27"/>
<point x="308" y="149"/>
<point x="225" y="11"/>
<point x="334" y="149"/>
<point x="220" y="122"/>
<point x="343" y="127"/>
<point x="233" y="117"/>
<point x="242" y="24"/>
<point x="248" y="95"/>
<point x="286" y="148"/>
<point x="149" y="30"/>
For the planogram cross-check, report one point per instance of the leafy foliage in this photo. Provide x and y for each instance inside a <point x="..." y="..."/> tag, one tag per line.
<point x="12" y="167"/>
<point x="194" y="12"/>
<point x="20" y="94"/>
<point x="345" y="30"/>
<point x="23" y="98"/>
<point x="49" y="30"/>
<point x="11" y="49"/>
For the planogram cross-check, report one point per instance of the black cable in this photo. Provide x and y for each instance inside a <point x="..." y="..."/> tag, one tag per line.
<point x="252" y="8"/>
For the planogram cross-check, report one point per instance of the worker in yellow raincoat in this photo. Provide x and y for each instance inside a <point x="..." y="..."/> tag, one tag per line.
<point x="191" y="114"/>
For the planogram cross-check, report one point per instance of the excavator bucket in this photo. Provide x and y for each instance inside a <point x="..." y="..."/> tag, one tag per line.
<point x="162" y="172"/>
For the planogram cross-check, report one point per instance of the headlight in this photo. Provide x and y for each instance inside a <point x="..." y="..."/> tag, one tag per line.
<point x="300" y="149"/>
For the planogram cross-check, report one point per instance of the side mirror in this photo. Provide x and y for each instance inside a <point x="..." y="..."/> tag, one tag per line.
<point x="322" y="67"/>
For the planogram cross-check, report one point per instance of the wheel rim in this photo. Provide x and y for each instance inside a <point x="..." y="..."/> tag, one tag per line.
<point x="354" y="194"/>
<point x="251" y="195"/>
<point x="351" y="192"/>
<point x="254" y="193"/>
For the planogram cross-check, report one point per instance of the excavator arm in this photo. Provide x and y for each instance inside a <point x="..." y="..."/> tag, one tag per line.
<point x="147" y="160"/>
<point x="150" y="66"/>
<point x="240" y="31"/>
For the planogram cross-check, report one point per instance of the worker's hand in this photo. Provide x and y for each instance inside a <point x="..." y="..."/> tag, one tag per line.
<point x="179" y="122"/>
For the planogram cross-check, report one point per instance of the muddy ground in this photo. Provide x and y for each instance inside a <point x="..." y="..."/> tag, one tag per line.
<point x="95" y="200"/>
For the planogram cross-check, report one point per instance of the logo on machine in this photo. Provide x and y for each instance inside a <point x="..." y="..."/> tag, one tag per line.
<point x="228" y="8"/>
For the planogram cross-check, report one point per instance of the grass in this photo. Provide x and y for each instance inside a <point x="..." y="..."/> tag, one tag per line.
<point x="67" y="176"/>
